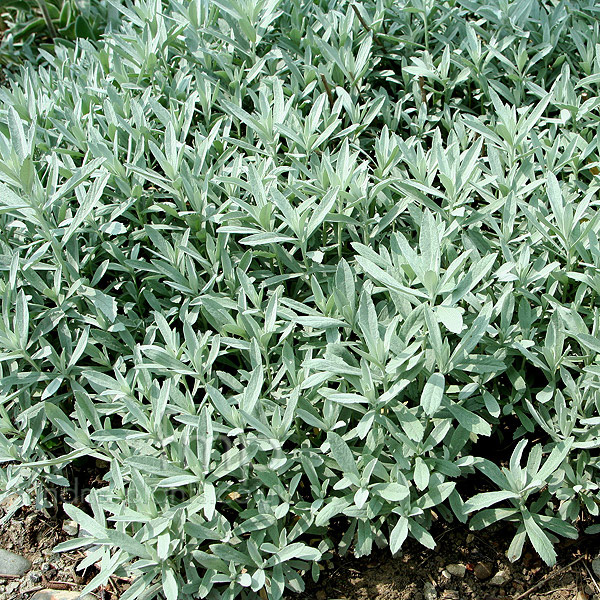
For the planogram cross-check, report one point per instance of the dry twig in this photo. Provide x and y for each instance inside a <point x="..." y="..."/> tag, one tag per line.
<point x="546" y="577"/>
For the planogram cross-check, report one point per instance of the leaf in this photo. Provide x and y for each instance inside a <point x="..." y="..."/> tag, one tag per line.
<point x="421" y="474"/>
<point x="17" y="134"/>
<point x="297" y="550"/>
<point x="321" y="211"/>
<point x="9" y="199"/>
<point x="103" y="303"/>
<point x="333" y="508"/>
<point x="377" y="273"/>
<point x="539" y="540"/>
<point x="91" y="198"/>
<point x="85" y="521"/>
<point x="169" y="585"/>
<point x="392" y="492"/>
<point x="470" y="421"/>
<point x="487" y="499"/>
<point x="433" y="392"/>
<point x="252" y="391"/>
<point x="450" y="317"/>
<point x="320" y="322"/>
<point x="342" y="454"/>
<point x="589" y="341"/>
<point x="556" y="458"/>
<point x="398" y="535"/>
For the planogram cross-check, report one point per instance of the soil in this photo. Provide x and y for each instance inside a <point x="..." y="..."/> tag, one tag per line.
<point x="32" y="535"/>
<point x="383" y="577"/>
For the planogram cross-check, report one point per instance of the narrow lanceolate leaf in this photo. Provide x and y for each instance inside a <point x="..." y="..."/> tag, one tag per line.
<point x="10" y="200"/>
<point x="487" y="499"/>
<point x="398" y="535"/>
<point x="17" y="134"/>
<point x="539" y="539"/>
<point x="91" y="198"/>
<point x="319" y="322"/>
<point x="321" y="211"/>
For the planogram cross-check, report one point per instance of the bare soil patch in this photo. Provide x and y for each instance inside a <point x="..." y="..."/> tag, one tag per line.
<point x="483" y="554"/>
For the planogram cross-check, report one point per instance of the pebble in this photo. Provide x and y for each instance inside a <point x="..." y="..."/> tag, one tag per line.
<point x="30" y="519"/>
<point x="500" y="578"/>
<point x="70" y="528"/>
<point x="429" y="592"/>
<point x="61" y="595"/>
<point x="456" y="570"/>
<point x="13" y="564"/>
<point x="35" y="576"/>
<point x="12" y="586"/>
<point x="596" y="566"/>
<point x="482" y="571"/>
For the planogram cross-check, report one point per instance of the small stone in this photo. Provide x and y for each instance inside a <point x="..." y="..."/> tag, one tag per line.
<point x="13" y="564"/>
<point x="30" y="520"/>
<point x="429" y="592"/>
<point x="12" y="587"/>
<point x="500" y="578"/>
<point x="35" y="576"/>
<point x="61" y="595"/>
<point x="470" y="537"/>
<point x="596" y="566"/>
<point x="482" y="571"/>
<point x="456" y="570"/>
<point x="445" y="574"/>
<point x="70" y="528"/>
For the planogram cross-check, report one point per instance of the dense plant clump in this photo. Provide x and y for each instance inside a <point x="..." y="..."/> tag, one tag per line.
<point x="25" y="25"/>
<point x="304" y="275"/>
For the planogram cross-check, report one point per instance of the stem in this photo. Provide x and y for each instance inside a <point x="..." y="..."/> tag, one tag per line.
<point x="47" y="18"/>
<point x="328" y="90"/>
<point x="366" y="26"/>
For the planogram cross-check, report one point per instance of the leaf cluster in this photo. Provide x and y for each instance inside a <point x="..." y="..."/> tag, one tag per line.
<point x="302" y="274"/>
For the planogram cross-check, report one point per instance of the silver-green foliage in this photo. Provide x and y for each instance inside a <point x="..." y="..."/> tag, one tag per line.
<point x="294" y="270"/>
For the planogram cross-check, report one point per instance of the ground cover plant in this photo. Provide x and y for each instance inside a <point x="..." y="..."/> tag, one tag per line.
<point x="27" y="24"/>
<point x="306" y="277"/>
